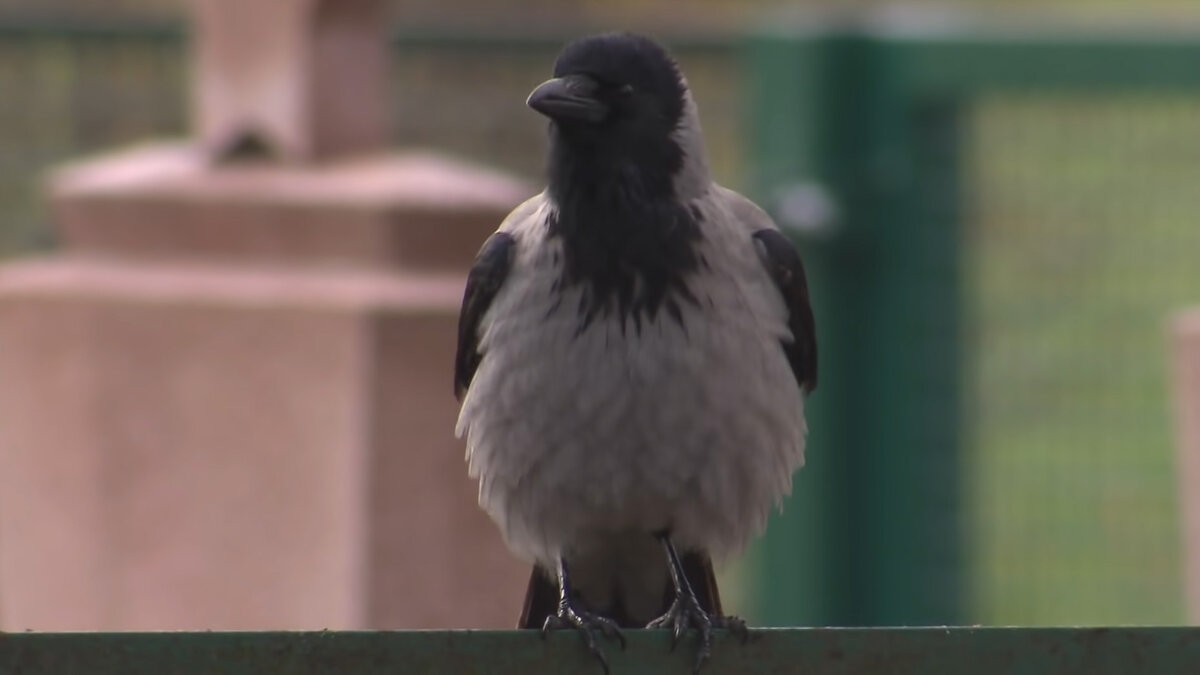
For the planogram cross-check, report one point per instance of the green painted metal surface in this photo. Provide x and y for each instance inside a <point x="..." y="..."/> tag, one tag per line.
<point x="930" y="651"/>
<point x="792" y="135"/>
<point x="870" y="535"/>
<point x="873" y="114"/>
<point x="988" y="61"/>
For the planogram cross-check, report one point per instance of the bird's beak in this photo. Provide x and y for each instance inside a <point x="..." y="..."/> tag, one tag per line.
<point x="573" y="97"/>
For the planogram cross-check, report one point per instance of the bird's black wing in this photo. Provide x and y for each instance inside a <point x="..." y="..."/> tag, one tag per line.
<point x="787" y="271"/>
<point x="483" y="282"/>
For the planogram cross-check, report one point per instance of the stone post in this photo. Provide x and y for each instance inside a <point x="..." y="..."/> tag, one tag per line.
<point x="1185" y="343"/>
<point x="226" y="404"/>
<point x="299" y="79"/>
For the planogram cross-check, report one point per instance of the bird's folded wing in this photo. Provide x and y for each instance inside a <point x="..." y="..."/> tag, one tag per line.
<point x="783" y="264"/>
<point x="483" y="283"/>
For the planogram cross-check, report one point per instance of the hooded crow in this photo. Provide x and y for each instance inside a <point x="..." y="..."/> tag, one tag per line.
<point x="634" y="351"/>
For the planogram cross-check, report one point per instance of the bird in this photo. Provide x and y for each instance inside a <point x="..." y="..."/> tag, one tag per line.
<point x="635" y="347"/>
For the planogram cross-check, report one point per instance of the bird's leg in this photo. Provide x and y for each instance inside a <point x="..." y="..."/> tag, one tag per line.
<point x="571" y="615"/>
<point x="686" y="611"/>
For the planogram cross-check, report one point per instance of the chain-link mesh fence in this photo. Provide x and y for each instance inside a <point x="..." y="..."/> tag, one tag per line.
<point x="67" y="93"/>
<point x="1083" y="236"/>
<point x="466" y="94"/>
<point x="77" y="90"/>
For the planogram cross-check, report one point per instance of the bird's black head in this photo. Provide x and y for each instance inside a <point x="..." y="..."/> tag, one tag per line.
<point x="614" y="103"/>
<point x="626" y="162"/>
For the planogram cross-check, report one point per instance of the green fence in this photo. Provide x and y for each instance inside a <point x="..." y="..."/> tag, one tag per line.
<point x="997" y="224"/>
<point x="69" y="89"/>
<point x="997" y="651"/>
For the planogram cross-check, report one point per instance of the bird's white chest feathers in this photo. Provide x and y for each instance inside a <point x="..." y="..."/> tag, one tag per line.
<point x="693" y="426"/>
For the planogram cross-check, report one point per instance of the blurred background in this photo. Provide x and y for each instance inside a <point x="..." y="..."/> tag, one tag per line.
<point x="995" y="249"/>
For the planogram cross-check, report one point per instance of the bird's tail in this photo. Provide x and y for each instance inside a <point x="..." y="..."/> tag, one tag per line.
<point x="541" y="596"/>
<point x="541" y="600"/>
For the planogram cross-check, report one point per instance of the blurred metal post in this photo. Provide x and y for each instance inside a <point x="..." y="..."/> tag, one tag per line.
<point x="1185" y="343"/>
<point x="871" y="535"/>
<point x="228" y="403"/>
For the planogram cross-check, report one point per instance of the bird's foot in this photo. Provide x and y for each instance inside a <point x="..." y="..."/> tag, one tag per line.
<point x="588" y="624"/>
<point x="686" y="612"/>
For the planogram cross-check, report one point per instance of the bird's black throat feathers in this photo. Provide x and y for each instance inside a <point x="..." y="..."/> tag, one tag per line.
<point x="627" y="238"/>
<point x="632" y="260"/>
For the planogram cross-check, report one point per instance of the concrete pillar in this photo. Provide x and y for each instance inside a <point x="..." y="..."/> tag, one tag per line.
<point x="1185" y="344"/>
<point x="295" y="79"/>
<point x="227" y="403"/>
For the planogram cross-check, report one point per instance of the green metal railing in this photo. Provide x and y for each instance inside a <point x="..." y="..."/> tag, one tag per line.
<point x="902" y="514"/>
<point x="935" y="651"/>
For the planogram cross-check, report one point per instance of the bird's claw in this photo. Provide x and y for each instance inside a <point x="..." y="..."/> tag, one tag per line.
<point x="686" y="612"/>
<point x="587" y="624"/>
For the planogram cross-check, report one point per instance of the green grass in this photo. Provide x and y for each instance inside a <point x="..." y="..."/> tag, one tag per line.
<point x="1084" y="236"/>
